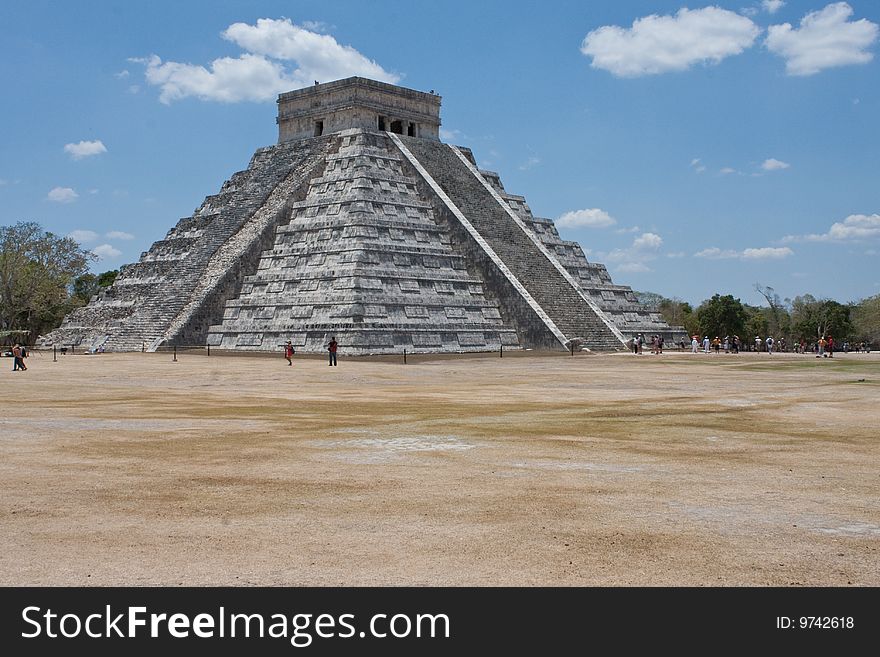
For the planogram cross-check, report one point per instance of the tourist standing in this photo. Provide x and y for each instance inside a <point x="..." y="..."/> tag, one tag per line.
<point x="821" y="345"/>
<point x="288" y="352"/>
<point x="695" y="346"/>
<point x="706" y="343"/>
<point x="770" y="344"/>
<point x="829" y="345"/>
<point x="332" y="346"/>
<point x="758" y="343"/>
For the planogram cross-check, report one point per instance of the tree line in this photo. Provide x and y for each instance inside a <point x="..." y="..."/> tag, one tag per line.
<point x="802" y="318"/>
<point x="43" y="277"/>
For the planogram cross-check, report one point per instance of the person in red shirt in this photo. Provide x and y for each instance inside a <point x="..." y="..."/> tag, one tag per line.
<point x="288" y="352"/>
<point x="331" y="348"/>
<point x="829" y="346"/>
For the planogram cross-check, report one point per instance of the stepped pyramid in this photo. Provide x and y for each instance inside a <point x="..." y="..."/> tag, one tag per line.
<point x="361" y="224"/>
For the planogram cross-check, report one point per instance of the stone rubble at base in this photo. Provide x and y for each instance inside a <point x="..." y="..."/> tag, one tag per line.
<point x="386" y="240"/>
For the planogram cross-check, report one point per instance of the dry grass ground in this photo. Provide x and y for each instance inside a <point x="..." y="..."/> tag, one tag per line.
<point x="132" y="469"/>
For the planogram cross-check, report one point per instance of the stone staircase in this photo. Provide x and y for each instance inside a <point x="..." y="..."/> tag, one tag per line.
<point x="177" y="288"/>
<point x="533" y="267"/>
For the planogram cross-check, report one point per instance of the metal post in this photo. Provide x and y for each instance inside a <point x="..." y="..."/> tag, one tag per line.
<point x="54" y="355"/>
<point x="404" y="356"/>
<point x="572" y="348"/>
<point x="501" y="351"/>
<point x="175" y="353"/>
<point x="209" y="350"/>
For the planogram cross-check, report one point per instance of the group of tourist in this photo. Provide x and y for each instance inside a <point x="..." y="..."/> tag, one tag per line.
<point x="638" y="341"/>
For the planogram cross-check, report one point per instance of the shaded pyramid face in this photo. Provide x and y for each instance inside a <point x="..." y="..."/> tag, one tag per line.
<point x="384" y="241"/>
<point x="365" y="259"/>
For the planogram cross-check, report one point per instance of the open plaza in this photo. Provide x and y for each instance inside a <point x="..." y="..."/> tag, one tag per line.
<point x="531" y="469"/>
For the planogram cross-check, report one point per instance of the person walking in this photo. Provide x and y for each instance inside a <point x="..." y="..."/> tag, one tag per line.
<point x="770" y="344"/>
<point x="332" y="346"/>
<point x="829" y="346"/>
<point x="18" y="359"/>
<point x="821" y="346"/>
<point x="288" y="352"/>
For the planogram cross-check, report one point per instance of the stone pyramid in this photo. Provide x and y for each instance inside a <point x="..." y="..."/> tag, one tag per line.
<point x="360" y="224"/>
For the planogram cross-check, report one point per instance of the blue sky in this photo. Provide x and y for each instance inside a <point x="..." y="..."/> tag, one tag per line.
<point x="693" y="148"/>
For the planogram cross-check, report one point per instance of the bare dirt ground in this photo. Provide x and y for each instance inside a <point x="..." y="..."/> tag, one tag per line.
<point x="132" y="469"/>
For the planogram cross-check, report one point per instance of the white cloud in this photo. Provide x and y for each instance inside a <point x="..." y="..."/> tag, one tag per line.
<point x="123" y="74"/>
<point x="658" y="44"/>
<point x="118" y="235"/>
<point x="647" y="241"/>
<point x="825" y="39"/>
<point x="62" y="195"/>
<point x="676" y="254"/>
<point x="772" y="6"/>
<point x="763" y="253"/>
<point x="588" y="218"/>
<point x="83" y="149"/>
<point x="633" y="259"/>
<point x="624" y="231"/>
<point x="772" y="164"/>
<point x="854" y="227"/>
<point x="726" y="171"/>
<point x="714" y="253"/>
<point x="767" y="252"/>
<point x="83" y="235"/>
<point x="105" y="251"/>
<point x="697" y="165"/>
<point x="634" y="267"/>
<point x="279" y="56"/>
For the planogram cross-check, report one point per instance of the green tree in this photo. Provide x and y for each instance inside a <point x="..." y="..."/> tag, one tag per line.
<point x="88" y="285"/>
<point x="813" y="318"/>
<point x="866" y="319"/>
<point x="85" y="286"/>
<point x="107" y="278"/>
<point x="721" y="316"/>
<point x="676" y="312"/>
<point x="36" y="269"/>
<point x="777" y="315"/>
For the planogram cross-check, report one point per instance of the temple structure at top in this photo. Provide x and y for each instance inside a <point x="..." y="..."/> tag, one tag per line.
<point x="360" y="224"/>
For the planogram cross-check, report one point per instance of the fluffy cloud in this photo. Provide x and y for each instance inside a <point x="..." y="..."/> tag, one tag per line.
<point x="105" y="251"/>
<point x="763" y="253"/>
<point x="279" y="56"/>
<point x="727" y="171"/>
<point x="854" y="227"/>
<point x="62" y="195"/>
<point x="697" y="165"/>
<point x="647" y="241"/>
<point x="772" y="164"/>
<point x="590" y="218"/>
<point x="825" y="39"/>
<point x="658" y="44"/>
<point x="714" y="253"/>
<point x="767" y="252"/>
<point x="634" y="259"/>
<point x="772" y="6"/>
<point x="118" y="235"/>
<point x="83" y="149"/>
<point x="83" y="235"/>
